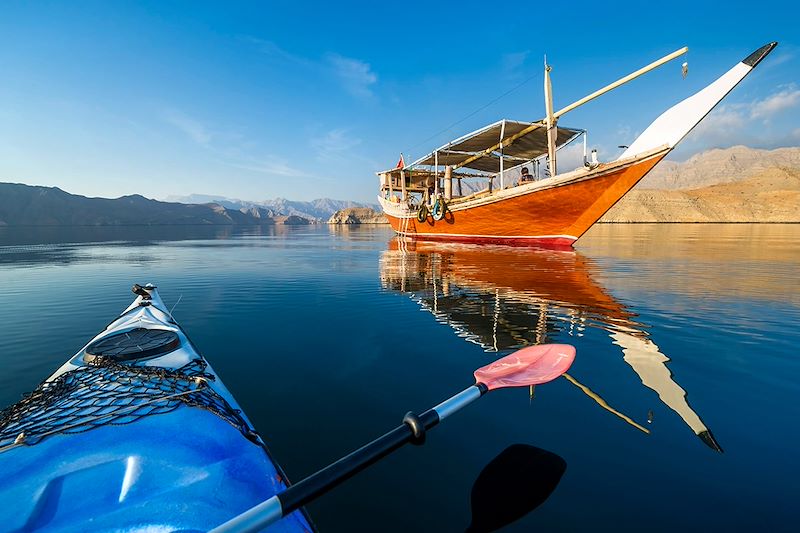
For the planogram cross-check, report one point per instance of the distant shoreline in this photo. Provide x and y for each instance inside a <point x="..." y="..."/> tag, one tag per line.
<point x="166" y="225"/>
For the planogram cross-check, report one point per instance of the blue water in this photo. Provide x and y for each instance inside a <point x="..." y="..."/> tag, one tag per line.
<point x="327" y="336"/>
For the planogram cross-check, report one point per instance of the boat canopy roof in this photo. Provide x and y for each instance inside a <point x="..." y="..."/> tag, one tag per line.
<point x="522" y="141"/>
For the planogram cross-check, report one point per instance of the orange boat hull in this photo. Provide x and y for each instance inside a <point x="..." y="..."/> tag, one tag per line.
<point x="561" y="278"/>
<point x="555" y="216"/>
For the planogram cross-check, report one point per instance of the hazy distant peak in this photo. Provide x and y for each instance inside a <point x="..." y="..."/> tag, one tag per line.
<point x="319" y="209"/>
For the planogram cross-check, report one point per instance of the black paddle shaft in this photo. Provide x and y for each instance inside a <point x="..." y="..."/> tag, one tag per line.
<point x="412" y="430"/>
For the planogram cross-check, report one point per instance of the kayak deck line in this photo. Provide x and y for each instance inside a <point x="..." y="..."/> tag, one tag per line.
<point x="135" y="430"/>
<point x="115" y="393"/>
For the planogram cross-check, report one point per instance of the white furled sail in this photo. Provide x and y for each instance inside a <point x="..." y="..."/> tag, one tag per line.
<point x="675" y="123"/>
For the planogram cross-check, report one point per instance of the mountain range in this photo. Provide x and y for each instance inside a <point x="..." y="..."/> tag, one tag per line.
<point x="716" y="166"/>
<point x="737" y="184"/>
<point x="771" y="195"/>
<point x="27" y="205"/>
<point x="318" y="210"/>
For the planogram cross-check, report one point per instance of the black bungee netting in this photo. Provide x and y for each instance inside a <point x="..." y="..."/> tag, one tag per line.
<point x="106" y="393"/>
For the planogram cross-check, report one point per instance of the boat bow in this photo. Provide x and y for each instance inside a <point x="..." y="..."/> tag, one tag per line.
<point x="675" y="123"/>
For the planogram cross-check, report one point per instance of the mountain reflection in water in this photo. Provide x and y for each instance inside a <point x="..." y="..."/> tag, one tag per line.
<point x="504" y="298"/>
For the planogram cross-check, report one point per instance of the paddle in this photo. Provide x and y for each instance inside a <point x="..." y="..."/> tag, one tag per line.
<point x="530" y="366"/>
<point x="512" y="485"/>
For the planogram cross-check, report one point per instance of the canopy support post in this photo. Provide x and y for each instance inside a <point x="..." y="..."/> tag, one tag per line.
<point x="448" y="182"/>
<point x="502" y="159"/>
<point x="585" y="161"/>
<point x="436" y="174"/>
<point x="551" y="121"/>
<point x="403" y="184"/>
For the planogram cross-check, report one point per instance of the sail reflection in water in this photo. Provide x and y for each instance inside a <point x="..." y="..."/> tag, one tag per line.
<point x="503" y="298"/>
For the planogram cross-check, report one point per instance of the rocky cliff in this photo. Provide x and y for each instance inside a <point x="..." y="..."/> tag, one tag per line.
<point x="357" y="215"/>
<point x="719" y="166"/>
<point x="770" y="196"/>
<point x="737" y="184"/>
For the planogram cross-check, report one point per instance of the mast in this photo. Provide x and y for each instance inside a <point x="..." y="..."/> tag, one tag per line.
<point x="550" y="121"/>
<point x="508" y="141"/>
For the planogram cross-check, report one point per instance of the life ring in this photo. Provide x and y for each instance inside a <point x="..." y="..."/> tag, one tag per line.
<point x="422" y="213"/>
<point x="439" y="209"/>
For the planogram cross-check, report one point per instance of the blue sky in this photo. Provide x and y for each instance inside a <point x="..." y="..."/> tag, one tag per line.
<point x="307" y="100"/>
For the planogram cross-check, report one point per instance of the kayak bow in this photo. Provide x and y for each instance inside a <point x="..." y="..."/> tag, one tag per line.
<point x="135" y="432"/>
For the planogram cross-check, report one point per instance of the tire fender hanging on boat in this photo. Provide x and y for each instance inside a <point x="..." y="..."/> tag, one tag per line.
<point x="422" y="213"/>
<point x="439" y="209"/>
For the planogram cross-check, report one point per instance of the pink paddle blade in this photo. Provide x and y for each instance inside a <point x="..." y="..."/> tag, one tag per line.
<point x="529" y="366"/>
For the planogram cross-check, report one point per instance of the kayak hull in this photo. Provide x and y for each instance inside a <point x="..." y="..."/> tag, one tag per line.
<point x="182" y="466"/>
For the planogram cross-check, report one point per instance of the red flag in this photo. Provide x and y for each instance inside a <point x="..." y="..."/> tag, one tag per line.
<point x="401" y="163"/>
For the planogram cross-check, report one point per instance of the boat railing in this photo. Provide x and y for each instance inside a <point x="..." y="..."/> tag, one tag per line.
<point x="424" y="184"/>
<point x="512" y="176"/>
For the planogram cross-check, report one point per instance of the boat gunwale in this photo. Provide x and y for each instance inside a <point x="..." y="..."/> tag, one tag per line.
<point x="569" y="178"/>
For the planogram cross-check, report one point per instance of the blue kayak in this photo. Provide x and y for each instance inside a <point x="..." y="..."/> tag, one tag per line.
<point x="136" y="432"/>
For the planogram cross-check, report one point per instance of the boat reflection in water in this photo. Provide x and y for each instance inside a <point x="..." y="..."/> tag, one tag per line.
<point x="502" y="298"/>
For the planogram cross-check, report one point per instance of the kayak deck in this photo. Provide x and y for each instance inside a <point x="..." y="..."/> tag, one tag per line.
<point x="135" y="432"/>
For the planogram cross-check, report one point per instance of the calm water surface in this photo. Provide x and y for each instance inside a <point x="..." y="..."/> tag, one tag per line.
<point x="686" y="336"/>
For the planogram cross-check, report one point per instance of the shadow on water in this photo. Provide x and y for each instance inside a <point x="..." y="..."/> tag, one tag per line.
<point x="504" y="298"/>
<point x="512" y="485"/>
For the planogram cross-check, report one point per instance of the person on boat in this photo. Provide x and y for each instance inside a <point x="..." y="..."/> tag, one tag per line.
<point x="430" y="183"/>
<point x="525" y="177"/>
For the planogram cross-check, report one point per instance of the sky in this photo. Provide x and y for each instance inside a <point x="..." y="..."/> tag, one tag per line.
<point x="304" y="100"/>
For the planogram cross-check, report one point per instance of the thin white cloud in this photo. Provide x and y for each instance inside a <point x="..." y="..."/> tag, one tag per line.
<point x="570" y="157"/>
<point x="356" y="76"/>
<point x="778" y="58"/>
<point x="625" y="134"/>
<point x="776" y="103"/>
<point x="193" y="128"/>
<point x="334" y="143"/>
<point x="721" y="124"/>
<point x="748" y="123"/>
<point x="511" y="63"/>
<point x="274" y="51"/>
<point x="269" y="165"/>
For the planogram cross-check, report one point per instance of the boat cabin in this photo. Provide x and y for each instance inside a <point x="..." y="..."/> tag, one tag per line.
<point x="504" y="154"/>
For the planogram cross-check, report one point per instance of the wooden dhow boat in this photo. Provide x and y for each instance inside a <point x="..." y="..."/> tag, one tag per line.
<point x="527" y="201"/>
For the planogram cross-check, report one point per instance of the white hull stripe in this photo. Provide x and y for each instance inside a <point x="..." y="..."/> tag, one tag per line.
<point x="415" y="234"/>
